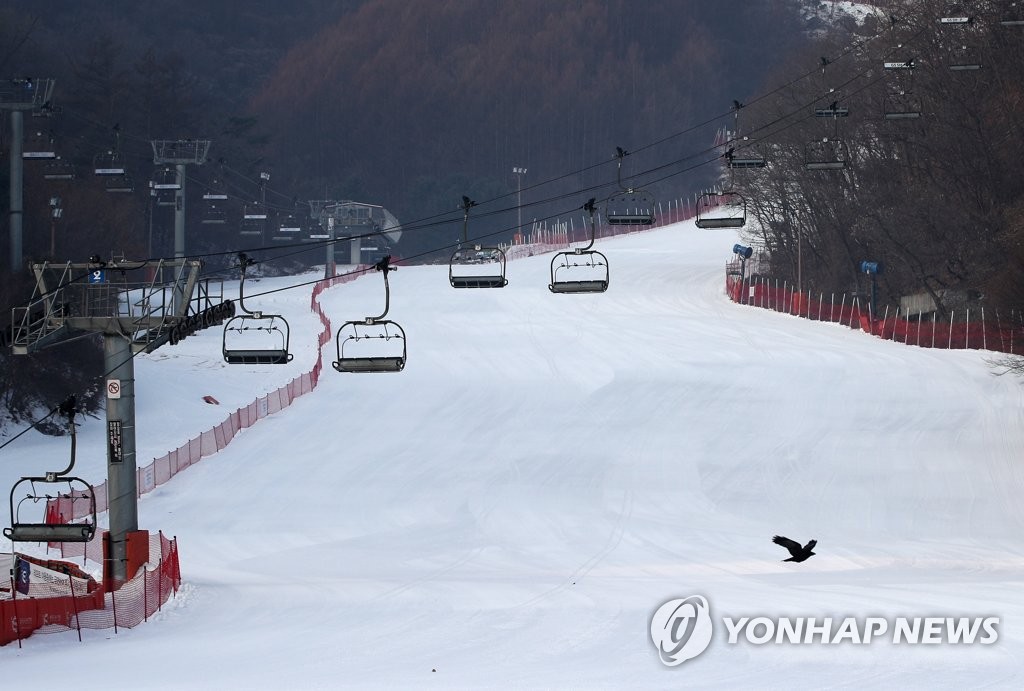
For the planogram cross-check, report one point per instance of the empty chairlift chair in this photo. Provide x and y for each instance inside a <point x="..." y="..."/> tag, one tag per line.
<point x="901" y="105"/>
<point x="254" y="219"/>
<point x="742" y="153"/>
<point x="826" y="154"/>
<point x="290" y="229"/>
<point x="630" y="206"/>
<point x="1011" y="14"/>
<point x="38" y="146"/>
<point x="582" y="269"/>
<point x="473" y="265"/>
<point x="721" y="210"/>
<point x="166" y="186"/>
<point x="73" y="499"/>
<point x="373" y="344"/>
<point x="58" y="169"/>
<point x="214" y="202"/>
<point x="110" y="166"/>
<point x="255" y="338"/>
<point x="958" y="28"/>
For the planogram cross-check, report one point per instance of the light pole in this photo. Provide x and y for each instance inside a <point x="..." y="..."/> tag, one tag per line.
<point x="519" y="173"/>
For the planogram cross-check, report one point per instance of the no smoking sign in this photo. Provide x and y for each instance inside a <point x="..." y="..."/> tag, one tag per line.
<point x="113" y="388"/>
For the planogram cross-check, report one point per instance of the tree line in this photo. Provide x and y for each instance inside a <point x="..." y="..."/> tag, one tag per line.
<point x="933" y="186"/>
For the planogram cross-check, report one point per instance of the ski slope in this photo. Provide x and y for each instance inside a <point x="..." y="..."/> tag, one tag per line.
<point x="547" y="471"/>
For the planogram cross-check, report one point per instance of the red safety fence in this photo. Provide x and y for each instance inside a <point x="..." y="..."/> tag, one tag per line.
<point x="133" y="603"/>
<point x="559" y="234"/>
<point x="966" y="329"/>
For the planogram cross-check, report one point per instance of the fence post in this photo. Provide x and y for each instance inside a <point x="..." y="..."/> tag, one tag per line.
<point x="160" y="570"/>
<point x="949" y="341"/>
<point x="967" y="330"/>
<point x="145" y="594"/>
<point x="113" y="602"/>
<point x="14" y="605"/>
<point x="74" y="604"/>
<point x="984" y="331"/>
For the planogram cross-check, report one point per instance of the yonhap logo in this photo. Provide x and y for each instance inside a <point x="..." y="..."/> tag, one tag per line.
<point x="681" y="629"/>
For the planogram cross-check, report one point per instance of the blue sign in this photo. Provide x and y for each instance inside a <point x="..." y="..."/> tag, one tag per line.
<point x="97" y="276"/>
<point x="23" y="575"/>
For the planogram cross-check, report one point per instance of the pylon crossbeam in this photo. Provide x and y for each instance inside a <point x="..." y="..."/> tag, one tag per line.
<point x="141" y="301"/>
<point x="180" y="151"/>
<point x="25" y="94"/>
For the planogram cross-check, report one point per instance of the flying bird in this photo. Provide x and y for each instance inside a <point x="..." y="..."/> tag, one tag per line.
<point x="800" y="553"/>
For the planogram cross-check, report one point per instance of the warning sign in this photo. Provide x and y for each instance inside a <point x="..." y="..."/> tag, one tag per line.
<point x="113" y="388"/>
<point x="114" y="451"/>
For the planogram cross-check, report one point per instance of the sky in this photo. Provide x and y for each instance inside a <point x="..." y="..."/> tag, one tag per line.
<point x="513" y="508"/>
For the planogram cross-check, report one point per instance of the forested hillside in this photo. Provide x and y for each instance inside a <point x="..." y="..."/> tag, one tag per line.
<point x="418" y="103"/>
<point x="926" y="124"/>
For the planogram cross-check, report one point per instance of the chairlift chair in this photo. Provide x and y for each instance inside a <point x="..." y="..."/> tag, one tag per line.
<point x="38" y="146"/>
<point x="214" y="201"/>
<point x="317" y="233"/>
<point x="1012" y="14"/>
<point x="744" y="158"/>
<point x="630" y="206"/>
<point x="110" y="166"/>
<point x="901" y="106"/>
<point x="826" y="154"/>
<point x="724" y="209"/>
<point x="58" y="169"/>
<point x="373" y="344"/>
<point x="582" y="269"/>
<point x="963" y="58"/>
<point x="166" y="186"/>
<point x="289" y="229"/>
<point x="741" y="152"/>
<point x="110" y="163"/>
<point x="254" y="218"/>
<point x="119" y="184"/>
<point x="254" y="337"/>
<point x="833" y="110"/>
<point x="53" y="485"/>
<point x="474" y="265"/>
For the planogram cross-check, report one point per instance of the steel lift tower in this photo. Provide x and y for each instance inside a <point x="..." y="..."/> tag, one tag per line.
<point x="134" y="314"/>
<point x="180" y="153"/>
<point x="17" y="96"/>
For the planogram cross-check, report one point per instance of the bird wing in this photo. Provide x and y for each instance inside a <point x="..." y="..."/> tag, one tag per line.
<point x="810" y="545"/>
<point x="792" y="545"/>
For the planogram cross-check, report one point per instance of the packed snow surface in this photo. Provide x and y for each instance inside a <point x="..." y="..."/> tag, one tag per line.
<point x="511" y="509"/>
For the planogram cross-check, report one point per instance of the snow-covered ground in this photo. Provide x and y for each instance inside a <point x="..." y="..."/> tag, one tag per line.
<point x="548" y="470"/>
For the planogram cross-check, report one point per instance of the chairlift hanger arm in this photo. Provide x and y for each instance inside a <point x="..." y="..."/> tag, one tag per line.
<point x="589" y="207"/>
<point x="67" y="409"/>
<point x="244" y="262"/>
